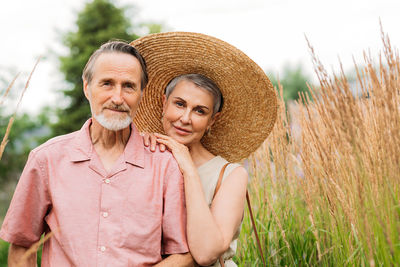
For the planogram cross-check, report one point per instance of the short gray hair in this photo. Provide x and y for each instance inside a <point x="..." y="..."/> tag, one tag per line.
<point x="115" y="47"/>
<point x="202" y="82"/>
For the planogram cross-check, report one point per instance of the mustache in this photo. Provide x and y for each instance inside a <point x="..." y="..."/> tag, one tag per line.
<point x="117" y="107"/>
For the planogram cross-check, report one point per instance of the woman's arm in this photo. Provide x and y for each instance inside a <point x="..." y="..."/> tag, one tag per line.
<point x="209" y="231"/>
<point x="181" y="260"/>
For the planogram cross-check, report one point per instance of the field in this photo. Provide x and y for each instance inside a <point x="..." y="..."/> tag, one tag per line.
<point x="325" y="186"/>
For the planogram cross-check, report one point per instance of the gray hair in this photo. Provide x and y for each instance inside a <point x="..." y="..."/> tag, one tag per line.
<point x="202" y="82"/>
<point x="115" y="47"/>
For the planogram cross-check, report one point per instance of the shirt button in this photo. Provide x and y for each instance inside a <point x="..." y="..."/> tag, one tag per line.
<point x="103" y="248"/>
<point x="107" y="181"/>
<point x="105" y="214"/>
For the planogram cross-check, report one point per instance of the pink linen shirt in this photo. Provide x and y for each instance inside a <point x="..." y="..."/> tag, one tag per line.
<point x="127" y="217"/>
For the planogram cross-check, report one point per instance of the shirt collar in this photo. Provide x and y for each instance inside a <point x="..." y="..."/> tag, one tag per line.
<point x="134" y="149"/>
<point x="82" y="147"/>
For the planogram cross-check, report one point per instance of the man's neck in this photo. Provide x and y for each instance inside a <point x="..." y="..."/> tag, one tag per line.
<point x="109" y="145"/>
<point x="108" y="139"/>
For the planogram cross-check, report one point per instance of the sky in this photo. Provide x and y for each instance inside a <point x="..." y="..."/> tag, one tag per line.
<point x="272" y="33"/>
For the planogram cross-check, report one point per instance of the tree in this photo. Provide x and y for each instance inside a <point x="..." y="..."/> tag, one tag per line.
<point x="97" y="23"/>
<point x="293" y="81"/>
<point x="26" y="130"/>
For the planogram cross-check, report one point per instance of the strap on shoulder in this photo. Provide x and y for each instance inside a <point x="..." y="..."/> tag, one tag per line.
<point x="221" y="174"/>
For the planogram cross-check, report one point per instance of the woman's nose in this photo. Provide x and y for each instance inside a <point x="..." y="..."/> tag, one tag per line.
<point x="185" y="118"/>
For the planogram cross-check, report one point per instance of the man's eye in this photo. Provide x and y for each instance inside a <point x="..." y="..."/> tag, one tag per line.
<point x="106" y="83"/>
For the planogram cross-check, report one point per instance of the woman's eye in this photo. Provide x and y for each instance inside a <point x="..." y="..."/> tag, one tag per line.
<point x="179" y="104"/>
<point x="200" y="111"/>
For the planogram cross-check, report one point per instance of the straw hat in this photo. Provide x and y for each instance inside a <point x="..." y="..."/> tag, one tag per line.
<point x="250" y="103"/>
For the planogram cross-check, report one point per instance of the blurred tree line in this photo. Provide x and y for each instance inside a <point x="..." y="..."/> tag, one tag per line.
<point x="98" y="22"/>
<point x="293" y="80"/>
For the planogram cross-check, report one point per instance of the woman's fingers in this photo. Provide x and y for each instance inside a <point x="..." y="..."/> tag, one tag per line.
<point x="150" y="139"/>
<point x="153" y="142"/>
<point x="146" y="138"/>
<point x="164" y="142"/>
<point x="162" y="136"/>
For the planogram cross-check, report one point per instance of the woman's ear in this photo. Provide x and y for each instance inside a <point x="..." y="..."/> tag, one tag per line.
<point x="214" y="118"/>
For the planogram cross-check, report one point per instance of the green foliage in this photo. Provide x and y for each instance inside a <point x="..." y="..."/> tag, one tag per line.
<point x="4" y="253"/>
<point x="99" y="22"/>
<point x="293" y="81"/>
<point x="26" y="133"/>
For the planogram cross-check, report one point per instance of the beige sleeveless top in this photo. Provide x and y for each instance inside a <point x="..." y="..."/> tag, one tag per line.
<point x="209" y="174"/>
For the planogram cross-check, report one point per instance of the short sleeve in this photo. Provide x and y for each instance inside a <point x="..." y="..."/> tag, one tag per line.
<point x="174" y="213"/>
<point x="24" y="221"/>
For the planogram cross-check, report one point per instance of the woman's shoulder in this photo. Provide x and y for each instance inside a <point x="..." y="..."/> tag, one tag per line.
<point x="218" y="162"/>
<point x="234" y="167"/>
<point x="231" y="165"/>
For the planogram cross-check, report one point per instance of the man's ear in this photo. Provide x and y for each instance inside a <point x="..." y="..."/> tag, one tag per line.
<point x="86" y="89"/>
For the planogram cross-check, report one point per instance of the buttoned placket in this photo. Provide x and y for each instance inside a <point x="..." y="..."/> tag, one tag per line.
<point x="106" y="199"/>
<point x="104" y="213"/>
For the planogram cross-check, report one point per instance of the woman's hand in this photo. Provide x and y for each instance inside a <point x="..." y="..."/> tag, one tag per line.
<point x="149" y="139"/>
<point x="181" y="152"/>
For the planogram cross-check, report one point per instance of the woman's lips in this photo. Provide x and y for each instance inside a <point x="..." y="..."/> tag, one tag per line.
<point x="182" y="131"/>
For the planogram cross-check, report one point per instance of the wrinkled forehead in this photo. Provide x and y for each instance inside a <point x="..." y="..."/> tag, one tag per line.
<point x="117" y="65"/>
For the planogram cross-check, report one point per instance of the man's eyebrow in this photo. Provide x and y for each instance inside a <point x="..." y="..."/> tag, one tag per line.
<point x="131" y="82"/>
<point x="105" y="80"/>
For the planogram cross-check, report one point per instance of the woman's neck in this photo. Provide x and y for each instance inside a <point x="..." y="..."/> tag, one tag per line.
<point x="199" y="154"/>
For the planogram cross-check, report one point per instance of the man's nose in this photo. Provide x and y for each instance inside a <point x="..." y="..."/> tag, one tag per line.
<point x="117" y="98"/>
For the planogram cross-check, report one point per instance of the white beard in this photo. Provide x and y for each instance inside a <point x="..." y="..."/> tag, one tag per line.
<point x="113" y="124"/>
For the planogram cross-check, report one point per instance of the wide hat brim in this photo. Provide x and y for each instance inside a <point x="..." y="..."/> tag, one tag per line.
<point x="250" y="104"/>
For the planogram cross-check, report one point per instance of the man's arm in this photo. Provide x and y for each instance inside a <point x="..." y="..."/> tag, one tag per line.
<point x="181" y="260"/>
<point x="174" y="213"/>
<point x="17" y="257"/>
<point x="24" y="221"/>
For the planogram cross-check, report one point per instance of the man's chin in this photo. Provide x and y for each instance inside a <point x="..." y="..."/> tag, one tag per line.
<point x="113" y="124"/>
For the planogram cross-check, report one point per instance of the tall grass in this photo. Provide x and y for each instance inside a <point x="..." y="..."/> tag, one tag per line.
<point x="326" y="183"/>
<point x="4" y="245"/>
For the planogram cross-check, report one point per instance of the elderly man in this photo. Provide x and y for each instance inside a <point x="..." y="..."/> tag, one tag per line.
<point x="106" y="198"/>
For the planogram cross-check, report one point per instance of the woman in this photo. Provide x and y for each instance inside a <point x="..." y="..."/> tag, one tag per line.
<point x="205" y="124"/>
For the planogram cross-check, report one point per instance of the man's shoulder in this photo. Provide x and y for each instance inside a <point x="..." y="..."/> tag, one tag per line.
<point x="165" y="158"/>
<point x="56" y="143"/>
<point x="157" y="154"/>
